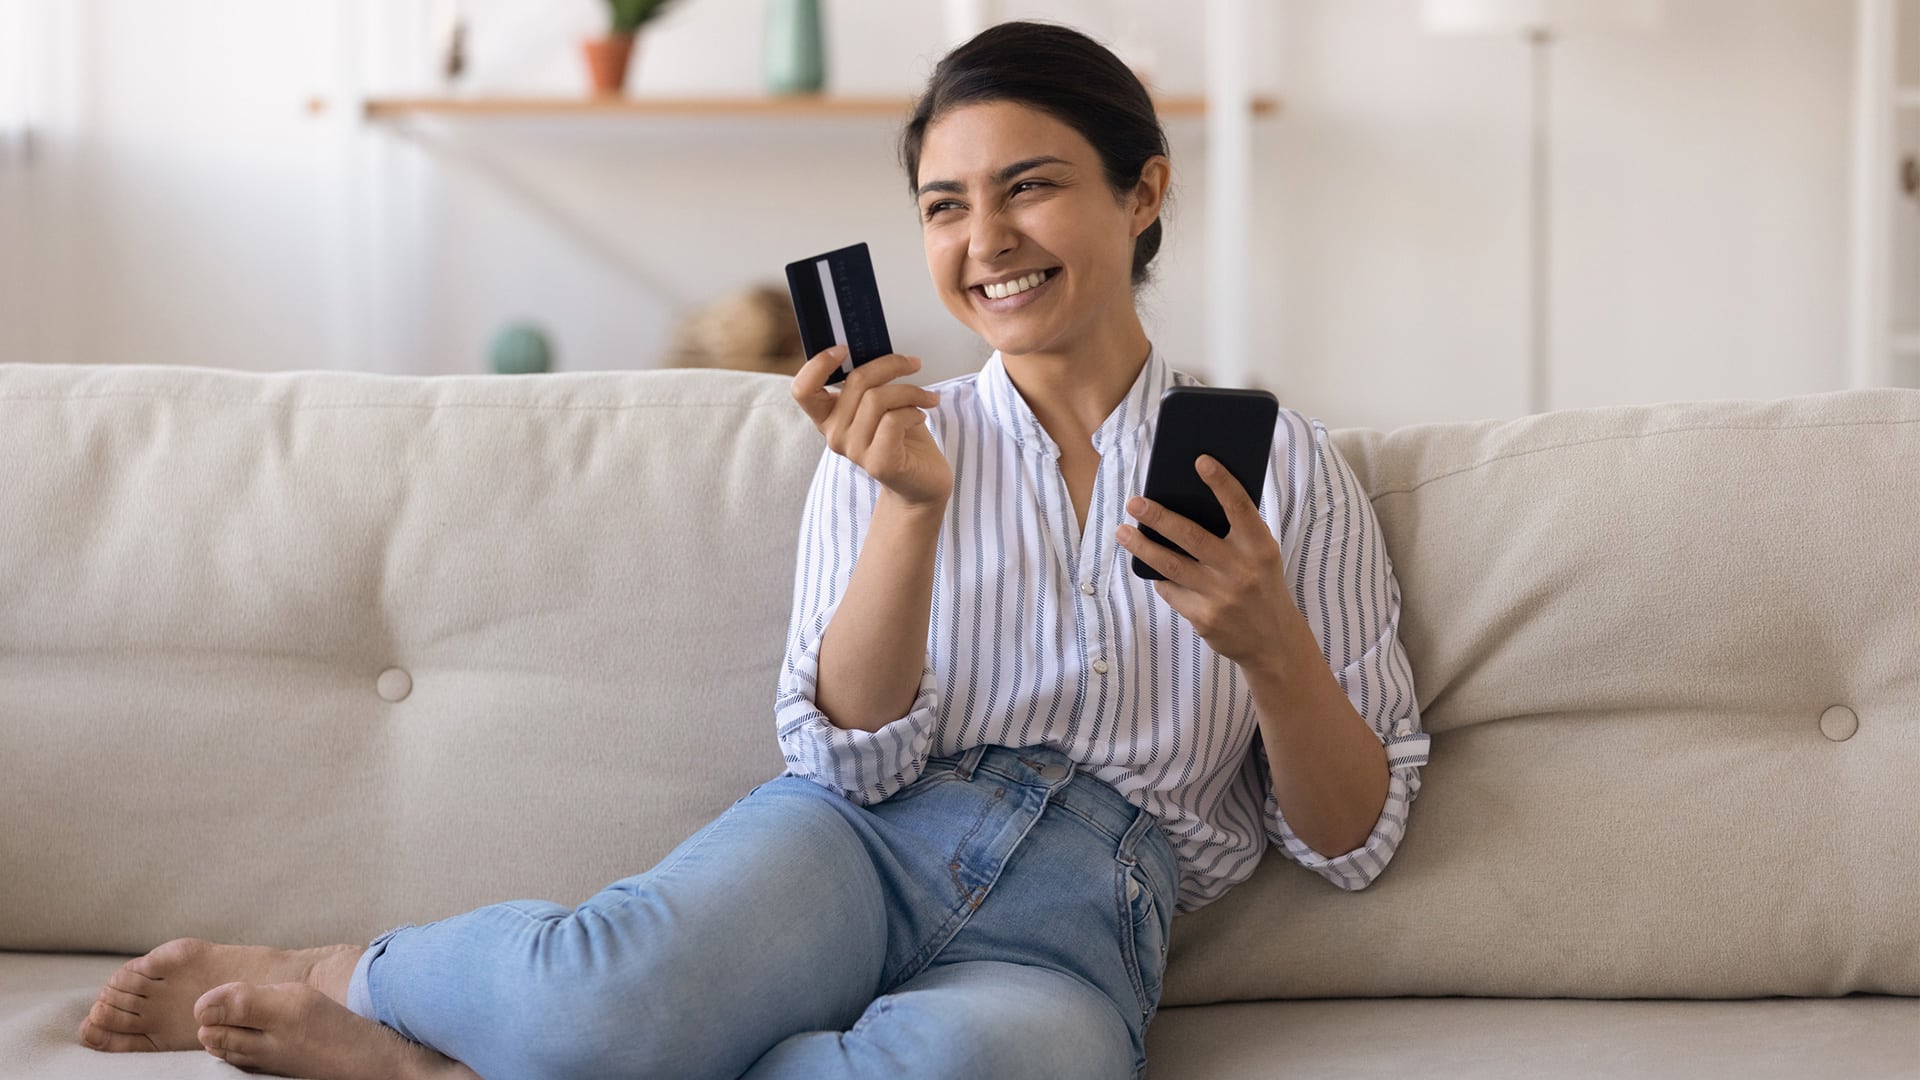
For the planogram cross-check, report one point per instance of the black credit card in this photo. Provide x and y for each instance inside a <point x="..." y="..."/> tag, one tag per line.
<point x="837" y="302"/>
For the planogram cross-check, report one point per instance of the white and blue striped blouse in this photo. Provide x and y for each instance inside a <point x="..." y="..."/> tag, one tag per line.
<point x="1042" y="635"/>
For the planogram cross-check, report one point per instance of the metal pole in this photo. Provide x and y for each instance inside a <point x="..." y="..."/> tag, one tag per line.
<point x="1539" y="198"/>
<point x="1229" y="192"/>
<point x="1869" y="344"/>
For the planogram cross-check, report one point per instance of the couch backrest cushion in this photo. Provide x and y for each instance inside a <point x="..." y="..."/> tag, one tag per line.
<point x="1626" y="626"/>
<point x="573" y="587"/>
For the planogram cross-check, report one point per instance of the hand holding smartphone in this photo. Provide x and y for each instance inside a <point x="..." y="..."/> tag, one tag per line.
<point x="1234" y="427"/>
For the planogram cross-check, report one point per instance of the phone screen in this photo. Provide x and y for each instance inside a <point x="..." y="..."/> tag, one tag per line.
<point x="1234" y="427"/>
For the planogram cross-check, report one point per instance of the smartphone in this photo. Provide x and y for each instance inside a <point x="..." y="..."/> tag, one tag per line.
<point x="837" y="302"/>
<point x="1234" y="427"/>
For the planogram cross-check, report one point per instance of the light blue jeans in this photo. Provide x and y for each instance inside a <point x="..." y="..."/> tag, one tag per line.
<point x="1004" y="916"/>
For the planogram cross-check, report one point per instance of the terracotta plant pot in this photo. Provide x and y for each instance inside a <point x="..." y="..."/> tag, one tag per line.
<point x="607" y="60"/>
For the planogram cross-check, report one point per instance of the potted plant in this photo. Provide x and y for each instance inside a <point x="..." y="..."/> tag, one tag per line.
<point x="608" y="57"/>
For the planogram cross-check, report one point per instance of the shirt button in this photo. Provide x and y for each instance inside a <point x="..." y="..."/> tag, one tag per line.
<point x="1087" y="588"/>
<point x="1100" y="666"/>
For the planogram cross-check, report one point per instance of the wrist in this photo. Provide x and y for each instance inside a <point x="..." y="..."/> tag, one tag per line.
<point x="900" y="505"/>
<point x="1283" y="661"/>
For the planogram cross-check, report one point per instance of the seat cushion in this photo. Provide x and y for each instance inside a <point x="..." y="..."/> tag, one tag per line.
<point x="43" y="997"/>
<point x="1858" y="1036"/>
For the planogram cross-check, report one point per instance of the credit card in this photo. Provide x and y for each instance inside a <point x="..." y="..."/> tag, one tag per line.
<point x="837" y="302"/>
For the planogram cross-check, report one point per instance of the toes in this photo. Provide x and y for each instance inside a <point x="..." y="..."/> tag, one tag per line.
<point x="125" y="1006"/>
<point x="128" y="981"/>
<point x="233" y="1045"/>
<point x="168" y="956"/>
<point x="113" y="1042"/>
<point x="256" y="1005"/>
<point x="228" y="1003"/>
<point x="108" y="1018"/>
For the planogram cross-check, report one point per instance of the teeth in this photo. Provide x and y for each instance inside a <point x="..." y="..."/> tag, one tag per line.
<point x="1016" y="286"/>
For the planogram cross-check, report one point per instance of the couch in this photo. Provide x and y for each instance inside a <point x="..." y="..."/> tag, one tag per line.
<point x="292" y="658"/>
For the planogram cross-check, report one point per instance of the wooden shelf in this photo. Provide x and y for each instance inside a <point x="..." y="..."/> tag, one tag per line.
<point x="388" y="108"/>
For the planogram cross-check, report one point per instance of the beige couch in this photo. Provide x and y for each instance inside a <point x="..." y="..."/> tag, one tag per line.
<point x="294" y="658"/>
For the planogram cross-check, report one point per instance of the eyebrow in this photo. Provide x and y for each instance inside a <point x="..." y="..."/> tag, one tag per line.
<point x="1001" y="177"/>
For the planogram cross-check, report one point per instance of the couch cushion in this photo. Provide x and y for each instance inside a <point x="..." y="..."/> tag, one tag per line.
<point x="211" y="583"/>
<point x="1626" y="625"/>
<point x="44" y="996"/>
<point x="1492" y="1039"/>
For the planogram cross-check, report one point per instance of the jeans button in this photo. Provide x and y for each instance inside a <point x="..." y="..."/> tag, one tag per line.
<point x="1053" y="772"/>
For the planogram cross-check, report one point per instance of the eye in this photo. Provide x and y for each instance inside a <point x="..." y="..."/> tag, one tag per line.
<point x="936" y="208"/>
<point x="1024" y="183"/>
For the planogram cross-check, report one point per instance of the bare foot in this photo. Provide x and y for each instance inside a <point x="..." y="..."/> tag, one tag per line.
<point x="294" y="1030"/>
<point x="148" y="1003"/>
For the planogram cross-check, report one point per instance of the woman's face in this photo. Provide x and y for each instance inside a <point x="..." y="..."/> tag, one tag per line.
<point x="1007" y="192"/>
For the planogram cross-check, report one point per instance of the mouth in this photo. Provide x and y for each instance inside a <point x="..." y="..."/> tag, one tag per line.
<point x="1018" y="300"/>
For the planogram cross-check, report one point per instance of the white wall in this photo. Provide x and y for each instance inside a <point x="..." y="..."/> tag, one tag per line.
<point x="188" y="210"/>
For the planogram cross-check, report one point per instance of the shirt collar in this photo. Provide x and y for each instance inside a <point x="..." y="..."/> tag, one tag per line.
<point x="1010" y="412"/>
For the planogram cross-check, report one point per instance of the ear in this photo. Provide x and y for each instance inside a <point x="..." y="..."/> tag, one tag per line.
<point x="1151" y="191"/>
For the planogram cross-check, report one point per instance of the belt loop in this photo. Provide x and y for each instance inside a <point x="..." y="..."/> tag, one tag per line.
<point x="1142" y="821"/>
<point x="969" y="761"/>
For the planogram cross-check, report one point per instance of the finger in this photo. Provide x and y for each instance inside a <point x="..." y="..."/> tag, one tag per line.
<point x="866" y="377"/>
<point x="1171" y="564"/>
<point x="809" y="386"/>
<point x="1177" y="528"/>
<point x="881" y="402"/>
<point x="880" y="370"/>
<point x="1240" y="508"/>
<point x="890" y="438"/>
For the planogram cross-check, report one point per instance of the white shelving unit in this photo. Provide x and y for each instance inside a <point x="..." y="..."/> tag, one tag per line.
<point x="1880" y="353"/>
<point x="1228" y="107"/>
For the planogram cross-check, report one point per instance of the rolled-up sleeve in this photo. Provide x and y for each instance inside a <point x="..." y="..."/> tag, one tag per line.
<point x="1344" y="584"/>
<point x="865" y="767"/>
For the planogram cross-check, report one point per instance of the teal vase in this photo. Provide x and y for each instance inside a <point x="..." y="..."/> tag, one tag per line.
<point x="520" y="349"/>
<point x="795" y="61"/>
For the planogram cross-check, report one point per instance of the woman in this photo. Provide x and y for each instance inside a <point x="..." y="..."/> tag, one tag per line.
<point x="1010" y="759"/>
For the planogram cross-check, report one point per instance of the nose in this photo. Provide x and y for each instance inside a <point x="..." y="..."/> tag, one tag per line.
<point x="989" y="238"/>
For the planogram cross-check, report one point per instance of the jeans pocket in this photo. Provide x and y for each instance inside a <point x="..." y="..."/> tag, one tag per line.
<point x="1143" y="936"/>
<point x="931" y="778"/>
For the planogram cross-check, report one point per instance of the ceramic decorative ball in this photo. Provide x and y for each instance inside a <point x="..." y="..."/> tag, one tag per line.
<point x="520" y="349"/>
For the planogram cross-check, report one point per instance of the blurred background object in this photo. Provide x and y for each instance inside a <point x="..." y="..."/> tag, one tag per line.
<point x="751" y="329"/>
<point x="1539" y="23"/>
<point x="520" y="348"/>
<point x="610" y="55"/>
<point x="795" y="57"/>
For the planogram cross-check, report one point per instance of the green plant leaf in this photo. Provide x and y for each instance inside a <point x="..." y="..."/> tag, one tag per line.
<point x="628" y="15"/>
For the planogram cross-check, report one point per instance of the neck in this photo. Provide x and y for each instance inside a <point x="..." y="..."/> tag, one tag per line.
<point x="1073" y="390"/>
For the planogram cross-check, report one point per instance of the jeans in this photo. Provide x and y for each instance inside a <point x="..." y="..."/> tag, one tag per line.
<point x="1004" y="916"/>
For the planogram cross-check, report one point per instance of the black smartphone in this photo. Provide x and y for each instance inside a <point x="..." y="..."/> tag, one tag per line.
<point x="837" y="302"/>
<point x="1234" y="427"/>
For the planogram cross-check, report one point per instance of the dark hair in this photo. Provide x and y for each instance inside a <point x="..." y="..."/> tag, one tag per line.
<point x="1066" y="74"/>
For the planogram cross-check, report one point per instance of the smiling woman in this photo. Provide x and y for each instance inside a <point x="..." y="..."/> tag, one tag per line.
<point x="1041" y="174"/>
<point x="1009" y="760"/>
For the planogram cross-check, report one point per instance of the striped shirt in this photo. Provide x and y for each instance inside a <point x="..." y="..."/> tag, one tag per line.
<point x="1042" y="635"/>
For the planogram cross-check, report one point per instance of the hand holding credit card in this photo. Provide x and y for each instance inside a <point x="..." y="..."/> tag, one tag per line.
<point x="872" y="421"/>
<point x="837" y="302"/>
